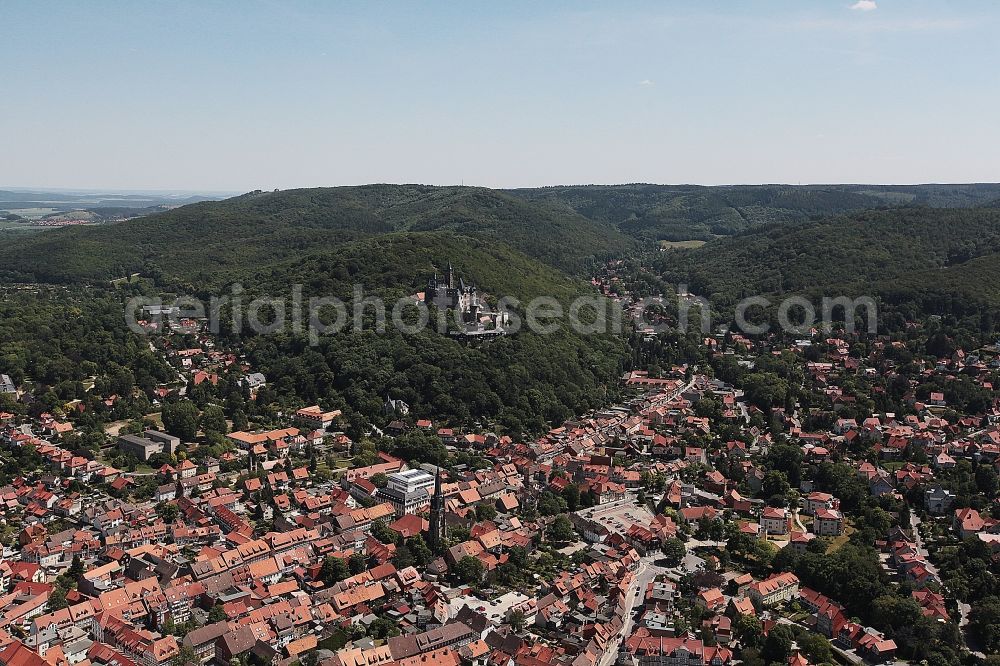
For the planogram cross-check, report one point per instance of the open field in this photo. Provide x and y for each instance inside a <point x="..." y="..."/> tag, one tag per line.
<point x="20" y="227"/>
<point x="668" y="245"/>
<point x="30" y="213"/>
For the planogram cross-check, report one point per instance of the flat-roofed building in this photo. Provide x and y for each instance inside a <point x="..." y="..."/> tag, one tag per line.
<point x="409" y="491"/>
<point x="148" y="444"/>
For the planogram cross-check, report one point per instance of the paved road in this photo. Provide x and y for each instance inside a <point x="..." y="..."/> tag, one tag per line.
<point x="647" y="572"/>
<point x="661" y="398"/>
<point x="963" y="608"/>
<point x="676" y="394"/>
<point x="921" y="549"/>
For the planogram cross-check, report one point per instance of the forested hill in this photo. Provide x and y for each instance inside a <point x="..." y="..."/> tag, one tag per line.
<point x="692" y="212"/>
<point x="400" y="264"/>
<point x="263" y="229"/>
<point x="565" y="227"/>
<point x="522" y="382"/>
<point x="518" y="383"/>
<point x="922" y="255"/>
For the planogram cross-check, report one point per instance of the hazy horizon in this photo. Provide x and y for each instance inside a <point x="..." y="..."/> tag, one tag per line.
<point x="180" y="192"/>
<point x="232" y="97"/>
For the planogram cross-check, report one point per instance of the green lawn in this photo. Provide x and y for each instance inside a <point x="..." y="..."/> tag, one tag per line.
<point x="841" y="540"/>
<point x="335" y="641"/>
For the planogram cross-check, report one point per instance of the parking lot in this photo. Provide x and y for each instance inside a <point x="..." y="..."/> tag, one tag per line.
<point x="495" y="610"/>
<point x="619" y="516"/>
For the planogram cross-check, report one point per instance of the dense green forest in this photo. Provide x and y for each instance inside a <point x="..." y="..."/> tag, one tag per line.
<point x="928" y="260"/>
<point x="692" y="212"/>
<point x="400" y="264"/>
<point x="215" y="239"/>
<point x="388" y="240"/>
<point x="520" y="382"/>
<point x="565" y="227"/>
<point x="61" y="339"/>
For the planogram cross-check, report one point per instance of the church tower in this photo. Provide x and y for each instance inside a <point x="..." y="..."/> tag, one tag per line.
<point x="450" y="277"/>
<point x="438" y="530"/>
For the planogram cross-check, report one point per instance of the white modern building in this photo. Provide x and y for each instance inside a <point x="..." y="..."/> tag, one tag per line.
<point x="409" y="491"/>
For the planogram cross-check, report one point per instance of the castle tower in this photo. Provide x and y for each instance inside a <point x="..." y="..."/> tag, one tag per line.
<point x="438" y="530"/>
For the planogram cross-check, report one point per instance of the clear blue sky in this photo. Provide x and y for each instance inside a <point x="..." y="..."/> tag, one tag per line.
<point x="264" y="94"/>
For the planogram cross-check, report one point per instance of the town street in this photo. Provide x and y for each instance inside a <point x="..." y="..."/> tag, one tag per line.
<point x="963" y="608"/>
<point x="643" y="576"/>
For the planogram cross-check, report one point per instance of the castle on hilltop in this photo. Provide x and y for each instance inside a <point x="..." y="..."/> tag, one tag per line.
<point x="452" y="294"/>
